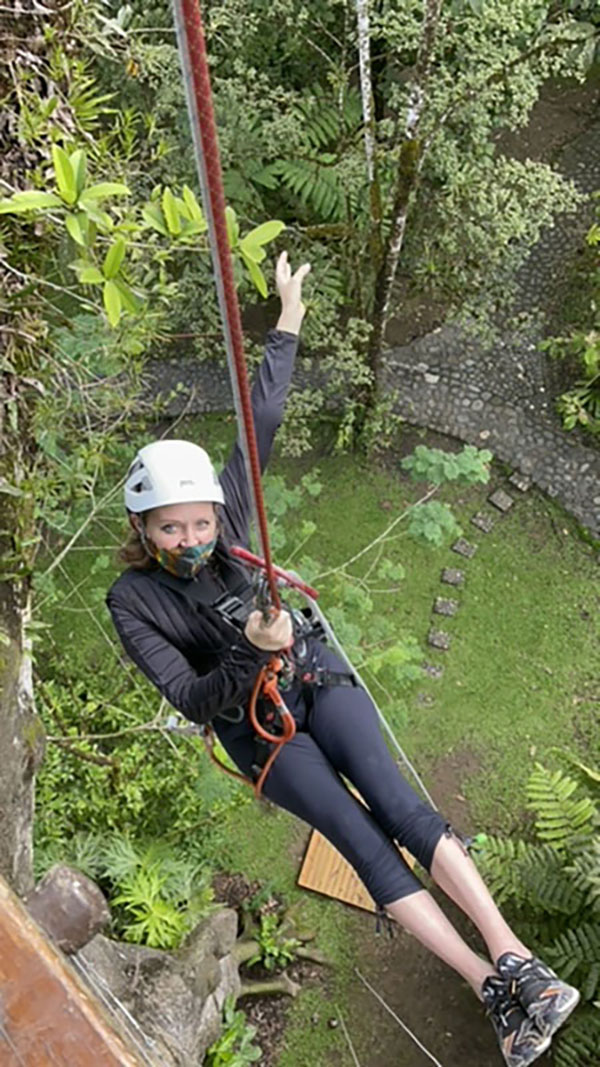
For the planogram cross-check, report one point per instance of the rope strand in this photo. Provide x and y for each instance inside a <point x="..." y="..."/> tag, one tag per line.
<point x="196" y="76"/>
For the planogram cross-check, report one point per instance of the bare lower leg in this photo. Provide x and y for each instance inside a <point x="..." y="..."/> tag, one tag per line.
<point x="454" y="871"/>
<point x="421" y="916"/>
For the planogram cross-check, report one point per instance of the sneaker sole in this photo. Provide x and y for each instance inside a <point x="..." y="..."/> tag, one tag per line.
<point x="523" y="1060"/>
<point x="548" y="1029"/>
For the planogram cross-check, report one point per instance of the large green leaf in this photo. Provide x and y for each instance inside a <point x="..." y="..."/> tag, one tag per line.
<point x="93" y="212"/>
<point x="65" y="178"/>
<point x="129" y="300"/>
<point x="266" y="232"/>
<point x="114" y="258"/>
<point x="112" y="302"/>
<point x="78" y="163"/>
<point x="74" y="228"/>
<point x="252" y="251"/>
<point x="29" y="200"/>
<point x="90" y="275"/>
<point x="193" y="207"/>
<point x="233" y="228"/>
<point x="255" y="273"/>
<point x="154" y="217"/>
<point x="102" y="189"/>
<point x="169" y="206"/>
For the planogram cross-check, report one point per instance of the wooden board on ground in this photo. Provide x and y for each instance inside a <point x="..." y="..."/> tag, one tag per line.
<point x="325" y="870"/>
<point x="47" y="1016"/>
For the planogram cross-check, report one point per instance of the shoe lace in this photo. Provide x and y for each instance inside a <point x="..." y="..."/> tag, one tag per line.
<point x="501" y="1004"/>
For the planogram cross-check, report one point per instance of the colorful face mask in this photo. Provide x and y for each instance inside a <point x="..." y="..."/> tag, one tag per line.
<point x="184" y="564"/>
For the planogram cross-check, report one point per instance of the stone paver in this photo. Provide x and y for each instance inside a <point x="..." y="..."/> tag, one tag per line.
<point x="483" y="522"/>
<point x="441" y="606"/>
<point x="464" y="548"/>
<point x="433" y="670"/>
<point x="520" y="481"/>
<point x="501" y="500"/>
<point x="439" y="639"/>
<point x="452" y="576"/>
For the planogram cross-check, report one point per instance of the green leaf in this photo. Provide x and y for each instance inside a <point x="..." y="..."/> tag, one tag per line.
<point x="65" y="178"/>
<point x="102" y="189"/>
<point x="112" y="302"/>
<point x="78" y="163"/>
<point x="129" y="300"/>
<point x="154" y="217"/>
<point x="252" y="251"/>
<point x="90" y="275"/>
<point x="73" y="224"/>
<point x="93" y="212"/>
<point x="265" y="233"/>
<point x="193" y="206"/>
<point x="29" y="200"/>
<point x="233" y="228"/>
<point x="171" y="213"/>
<point x="114" y="258"/>
<point x="256" y="274"/>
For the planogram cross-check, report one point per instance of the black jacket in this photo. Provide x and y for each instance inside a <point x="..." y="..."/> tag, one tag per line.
<point x="199" y="661"/>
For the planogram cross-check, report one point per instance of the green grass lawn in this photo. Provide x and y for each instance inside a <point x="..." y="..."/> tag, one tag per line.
<point x="520" y="678"/>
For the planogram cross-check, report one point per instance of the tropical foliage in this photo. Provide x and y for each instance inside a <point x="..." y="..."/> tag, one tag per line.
<point x="552" y="886"/>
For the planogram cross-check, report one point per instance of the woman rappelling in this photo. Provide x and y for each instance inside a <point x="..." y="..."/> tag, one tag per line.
<point x="172" y="610"/>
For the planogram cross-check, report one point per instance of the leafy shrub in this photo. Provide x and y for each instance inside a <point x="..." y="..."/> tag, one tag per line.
<point x="156" y="894"/>
<point x="276" y="950"/>
<point x="234" y="1048"/>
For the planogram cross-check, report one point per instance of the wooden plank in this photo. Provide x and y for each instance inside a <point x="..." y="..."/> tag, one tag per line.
<point x="324" y="870"/>
<point x="48" y="1017"/>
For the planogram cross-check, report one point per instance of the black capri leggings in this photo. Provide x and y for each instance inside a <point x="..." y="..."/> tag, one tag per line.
<point x="338" y="734"/>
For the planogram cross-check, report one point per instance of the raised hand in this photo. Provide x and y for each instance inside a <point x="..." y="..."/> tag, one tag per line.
<point x="289" y="287"/>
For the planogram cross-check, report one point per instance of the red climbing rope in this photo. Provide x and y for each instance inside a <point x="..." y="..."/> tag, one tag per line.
<point x="192" y="50"/>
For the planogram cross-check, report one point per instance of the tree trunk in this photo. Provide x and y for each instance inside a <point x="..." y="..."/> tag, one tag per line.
<point x="21" y="739"/>
<point x="368" y="109"/>
<point x="409" y="168"/>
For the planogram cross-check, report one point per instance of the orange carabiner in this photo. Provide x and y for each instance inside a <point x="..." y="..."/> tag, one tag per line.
<point x="266" y="685"/>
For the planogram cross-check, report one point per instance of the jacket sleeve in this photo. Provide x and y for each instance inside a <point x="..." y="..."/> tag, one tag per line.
<point x="268" y="401"/>
<point x="197" y="696"/>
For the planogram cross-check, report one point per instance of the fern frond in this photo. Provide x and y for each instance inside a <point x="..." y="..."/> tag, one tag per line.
<point x="548" y="884"/>
<point x="561" y="819"/>
<point x="324" y="124"/>
<point x="317" y="185"/>
<point x="577" y="951"/>
<point x="499" y="863"/>
<point x="584" y="872"/>
<point x="578" y="1045"/>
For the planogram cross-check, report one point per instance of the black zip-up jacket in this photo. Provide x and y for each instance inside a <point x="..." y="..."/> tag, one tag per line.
<point x="199" y="661"/>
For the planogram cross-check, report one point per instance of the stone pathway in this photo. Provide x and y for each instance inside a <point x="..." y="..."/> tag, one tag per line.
<point x="500" y="395"/>
<point x="484" y="520"/>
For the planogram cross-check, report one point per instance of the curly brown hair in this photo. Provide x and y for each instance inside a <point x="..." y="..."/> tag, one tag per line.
<point x="134" y="553"/>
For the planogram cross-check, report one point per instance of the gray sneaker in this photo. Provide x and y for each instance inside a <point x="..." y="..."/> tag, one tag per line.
<point x="545" y="998"/>
<point x="518" y="1036"/>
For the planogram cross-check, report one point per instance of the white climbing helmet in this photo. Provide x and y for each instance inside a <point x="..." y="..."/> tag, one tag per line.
<point x="171" y="472"/>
